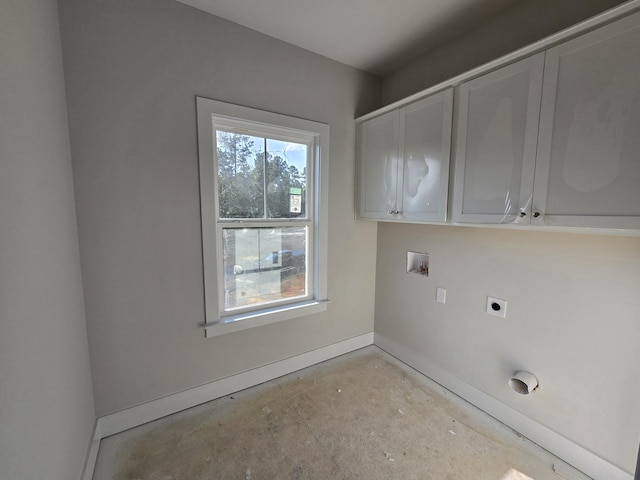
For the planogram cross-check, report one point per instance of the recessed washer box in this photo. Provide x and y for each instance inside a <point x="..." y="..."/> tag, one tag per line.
<point x="418" y="263"/>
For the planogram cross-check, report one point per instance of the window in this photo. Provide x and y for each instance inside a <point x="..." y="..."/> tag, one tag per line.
<point x="263" y="202"/>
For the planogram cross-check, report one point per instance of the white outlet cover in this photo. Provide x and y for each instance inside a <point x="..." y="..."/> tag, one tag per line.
<point x="441" y="295"/>
<point x="497" y="307"/>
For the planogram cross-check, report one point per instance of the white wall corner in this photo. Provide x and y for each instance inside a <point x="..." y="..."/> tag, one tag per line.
<point x="568" y="451"/>
<point x="132" y="417"/>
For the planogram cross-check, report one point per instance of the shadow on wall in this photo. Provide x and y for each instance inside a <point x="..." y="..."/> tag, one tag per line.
<point x="536" y="19"/>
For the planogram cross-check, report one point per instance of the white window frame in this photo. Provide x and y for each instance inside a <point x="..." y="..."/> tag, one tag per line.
<point x="212" y="114"/>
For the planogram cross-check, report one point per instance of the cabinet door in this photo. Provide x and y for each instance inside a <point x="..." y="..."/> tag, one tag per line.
<point x="425" y="128"/>
<point x="378" y="165"/>
<point x="588" y="165"/>
<point x="496" y="144"/>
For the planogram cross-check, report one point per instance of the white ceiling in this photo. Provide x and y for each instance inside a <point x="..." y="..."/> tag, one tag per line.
<point x="376" y="36"/>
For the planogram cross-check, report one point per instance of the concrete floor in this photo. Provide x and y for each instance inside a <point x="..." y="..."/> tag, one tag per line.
<point x="364" y="415"/>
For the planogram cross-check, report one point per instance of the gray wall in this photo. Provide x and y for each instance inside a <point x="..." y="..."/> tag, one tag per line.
<point x="133" y="70"/>
<point x="46" y="401"/>
<point x="573" y="319"/>
<point x="520" y="25"/>
<point x="573" y="303"/>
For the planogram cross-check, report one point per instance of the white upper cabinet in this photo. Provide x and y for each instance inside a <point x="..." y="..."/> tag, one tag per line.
<point x="549" y="140"/>
<point x="497" y="131"/>
<point x="404" y="161"/>
<point x="378" y="143"/>
<point x="426" y="153"/>
<point x="588" y="164"/>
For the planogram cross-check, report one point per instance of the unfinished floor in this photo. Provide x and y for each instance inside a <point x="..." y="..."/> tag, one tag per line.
<point x="364" y="415"/>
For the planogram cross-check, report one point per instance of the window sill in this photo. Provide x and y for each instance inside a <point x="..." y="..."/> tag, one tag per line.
<point x="259" y="318"/>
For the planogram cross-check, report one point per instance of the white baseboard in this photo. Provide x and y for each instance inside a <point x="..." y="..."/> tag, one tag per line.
<point x="155" y="409"/>
<point x="582" y="459"/>
<point x="92" y="454"/>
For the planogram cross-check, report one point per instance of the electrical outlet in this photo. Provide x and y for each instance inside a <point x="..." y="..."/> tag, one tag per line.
<point x="441" y="295"/>
<point x="497" y="307"/>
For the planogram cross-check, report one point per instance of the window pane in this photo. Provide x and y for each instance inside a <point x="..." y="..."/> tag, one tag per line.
<point x="263" y="265"/>
<point x="286" y="179"/>
<point x="240" y="175"/>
